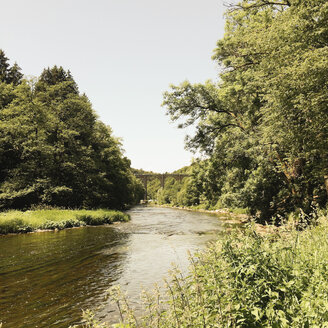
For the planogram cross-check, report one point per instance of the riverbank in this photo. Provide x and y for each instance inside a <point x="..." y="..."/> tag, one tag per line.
<point x="229" y="216"/>
<point x="243" y="280"/>
<point x="225" y="213"/>
<point x="56" y="219"/>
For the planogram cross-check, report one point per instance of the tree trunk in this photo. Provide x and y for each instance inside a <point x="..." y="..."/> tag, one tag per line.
<point x="326" y="183"/>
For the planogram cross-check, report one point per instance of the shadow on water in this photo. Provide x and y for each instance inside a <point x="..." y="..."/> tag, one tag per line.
<point x="47" y="278"/>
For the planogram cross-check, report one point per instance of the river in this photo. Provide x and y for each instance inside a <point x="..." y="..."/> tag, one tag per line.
<point x="46" y="278"/>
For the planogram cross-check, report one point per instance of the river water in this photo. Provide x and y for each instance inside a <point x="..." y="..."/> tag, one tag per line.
<point x="47" y="278"/>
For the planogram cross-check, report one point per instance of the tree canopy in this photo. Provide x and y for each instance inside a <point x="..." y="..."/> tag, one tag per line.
<point x="264" y="125"/>
<point x="53" y="148"/>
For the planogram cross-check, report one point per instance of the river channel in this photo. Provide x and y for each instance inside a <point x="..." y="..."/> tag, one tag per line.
<point x="47" y="278"/>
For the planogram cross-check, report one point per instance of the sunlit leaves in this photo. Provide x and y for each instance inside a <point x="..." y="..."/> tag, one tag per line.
<point x="55" y="151"/>
<point x="272" y="92"/>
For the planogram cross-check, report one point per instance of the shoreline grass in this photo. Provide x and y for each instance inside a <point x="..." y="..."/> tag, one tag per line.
<point x="56" y="219"/>
<point x="239" y="216"/>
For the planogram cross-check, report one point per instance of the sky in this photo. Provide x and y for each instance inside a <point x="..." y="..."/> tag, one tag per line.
<point x="123" y="54"/>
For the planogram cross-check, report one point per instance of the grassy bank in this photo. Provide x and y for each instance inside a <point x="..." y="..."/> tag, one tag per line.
<point x="51" y="219"/>
<point x="244" y="280"/>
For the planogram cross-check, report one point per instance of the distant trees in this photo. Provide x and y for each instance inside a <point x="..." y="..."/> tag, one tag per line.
<point x="54" y="150"/>
<point x="264" y="125"/>
<point x="9" y="74"/>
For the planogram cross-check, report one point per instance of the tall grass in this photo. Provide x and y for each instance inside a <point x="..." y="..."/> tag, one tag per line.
<point x="243" y="280"/>
<point x="45" y="219"/>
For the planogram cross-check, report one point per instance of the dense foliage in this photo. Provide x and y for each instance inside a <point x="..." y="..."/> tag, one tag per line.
<point x="264" y="125"/>
<point x="54" y="150"/>
<point x="174" y="191"/>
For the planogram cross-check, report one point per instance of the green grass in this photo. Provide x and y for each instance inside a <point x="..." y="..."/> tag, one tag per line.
<point x="20" y="222"/>
<point x="277" y="280"/>
<point x="244" y="211"/>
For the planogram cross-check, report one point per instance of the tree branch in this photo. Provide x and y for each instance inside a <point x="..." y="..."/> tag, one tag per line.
<point x="233" y="7"/>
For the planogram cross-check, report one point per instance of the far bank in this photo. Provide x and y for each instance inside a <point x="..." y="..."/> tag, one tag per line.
<point x="222" y="213"/>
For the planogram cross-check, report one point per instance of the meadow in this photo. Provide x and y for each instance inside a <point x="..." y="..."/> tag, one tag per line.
<point x="50" y="219"/>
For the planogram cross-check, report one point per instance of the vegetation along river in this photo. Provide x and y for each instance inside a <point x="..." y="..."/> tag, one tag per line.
<point x="46" y="278"/>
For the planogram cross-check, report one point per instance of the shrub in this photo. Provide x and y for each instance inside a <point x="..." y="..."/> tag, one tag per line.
<point x="13" y="226"/>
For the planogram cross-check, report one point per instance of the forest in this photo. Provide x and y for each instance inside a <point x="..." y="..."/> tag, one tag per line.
<point x="54" y="151"/>
<point x="262" y="128"/>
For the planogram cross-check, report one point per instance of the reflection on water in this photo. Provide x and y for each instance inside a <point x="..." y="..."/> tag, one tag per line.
<point x="47" y="278"/>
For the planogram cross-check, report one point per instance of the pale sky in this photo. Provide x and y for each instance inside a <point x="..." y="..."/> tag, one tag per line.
<point x="123" y="54"/>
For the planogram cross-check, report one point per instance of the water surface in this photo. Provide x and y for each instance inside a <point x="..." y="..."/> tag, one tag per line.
<point x="47" y="278"/>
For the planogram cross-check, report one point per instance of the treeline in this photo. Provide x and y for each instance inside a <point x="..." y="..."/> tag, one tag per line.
<point x="263" y="127"/>
<point x="53" y="148"/>
<point x="174" y="191"/>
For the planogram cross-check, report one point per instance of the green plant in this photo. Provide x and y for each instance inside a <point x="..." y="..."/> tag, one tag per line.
<point x="52" y="219"/>
<point x="245" y="280"/>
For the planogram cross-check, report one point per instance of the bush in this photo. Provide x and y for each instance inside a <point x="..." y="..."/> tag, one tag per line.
<point x="52" y="225"/>
<point x="14" y="226"/>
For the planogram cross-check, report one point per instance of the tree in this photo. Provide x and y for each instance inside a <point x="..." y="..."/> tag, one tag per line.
<point x="9" y="74"/>
<point x="264" y="126"/>
<point x="10" y="77"/>
<point x="57" y="152"/>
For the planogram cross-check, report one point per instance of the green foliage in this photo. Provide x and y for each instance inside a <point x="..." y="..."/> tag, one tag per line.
<point x="245" y="280"/>
<point x="168" y="195"/>
<point x="51" y="219"/>
<point x="264" y="125"/>
<point x="9" y="75"/>
<point x="54" y="150"/>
